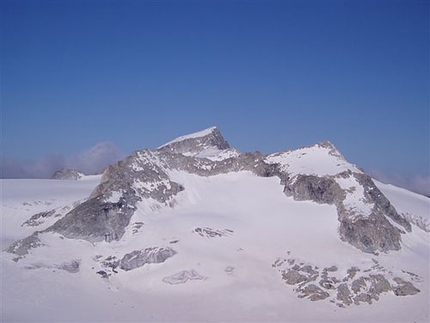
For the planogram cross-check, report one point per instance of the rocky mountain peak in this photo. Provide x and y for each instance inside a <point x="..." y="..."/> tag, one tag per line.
<point x="67" y="174"/>
<point x="330" y="147"/>
<point x="324" y="148"/>
<point x="317" y="173"/>
<point x="209" y="139"/>
<point x="156" y="204"/>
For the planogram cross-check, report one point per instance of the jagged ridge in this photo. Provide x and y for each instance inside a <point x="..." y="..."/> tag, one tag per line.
<point x="318" y="173"/>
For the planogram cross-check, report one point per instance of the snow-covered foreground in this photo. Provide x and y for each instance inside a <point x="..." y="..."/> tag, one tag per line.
<point x="227" y="231"/>
<point x="22" y="198"/>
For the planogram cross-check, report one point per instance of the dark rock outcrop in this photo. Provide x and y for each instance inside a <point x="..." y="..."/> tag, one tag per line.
<point x="368" y="232"/>
<point x="382" y="204"/>
<point x="71" y="267"/>
<point x="182" y="277"/>
<point x="315" y="284"/>
<point x="372" y="234"/>
<point x="23" y="246"/>
<point x="313" y="188"/>
<point x="139" y="258"/>
<point x="38" y="218"/>
<point x="313" y="292"/>
<point x="97" y="220"/>
<point x="67" y="174"/>
<point x="404" y="288"/>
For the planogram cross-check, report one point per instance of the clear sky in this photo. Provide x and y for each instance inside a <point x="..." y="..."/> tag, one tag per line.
<point x="99" y="79"/>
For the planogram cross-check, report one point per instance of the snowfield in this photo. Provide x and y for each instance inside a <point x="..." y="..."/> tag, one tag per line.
<point x="229" y="237"/>
<point x="22" y="198"/>
<point x="414" y="207"/>
<point x="320" y="159"/>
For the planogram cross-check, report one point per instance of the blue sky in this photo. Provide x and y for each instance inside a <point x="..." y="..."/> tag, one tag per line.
<point x="81" y="77"/>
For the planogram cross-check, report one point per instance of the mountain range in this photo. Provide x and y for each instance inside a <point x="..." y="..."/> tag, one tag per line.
<point x="198" y="231"/>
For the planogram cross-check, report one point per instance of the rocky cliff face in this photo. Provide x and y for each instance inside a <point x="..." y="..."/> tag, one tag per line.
<point x="321" y="174"/>
<point x="317" y="173"/>
<point x="364" y="216"/>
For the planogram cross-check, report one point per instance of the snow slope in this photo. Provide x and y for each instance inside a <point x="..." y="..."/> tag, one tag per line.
<point x="321" y="159"/>
<point x="414" y="207"/>
<point x="22" y="198"/>
<point x="228" y="232"/>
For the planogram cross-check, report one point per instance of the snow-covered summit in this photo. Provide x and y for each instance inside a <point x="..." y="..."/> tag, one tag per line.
<point x="198" y="134"/>
<point x="208" y="140"/>
<point x="321" y="159"/>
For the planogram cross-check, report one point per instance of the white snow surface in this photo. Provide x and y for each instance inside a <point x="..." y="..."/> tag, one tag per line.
<point x="223" y="278"/>
<point x="317" y="160"/>
<point x="413" y="206"/>
<point x="220" y="154"/>
<point x="214" y="154"/>
<point x="406" y="201"/>
<point x="198" y="134"/>
<point x="115" y="197"/>
<point x="355" y="201"/>
<point x="22" y="198"/>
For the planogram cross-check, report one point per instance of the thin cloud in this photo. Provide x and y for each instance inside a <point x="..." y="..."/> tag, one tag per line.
<point x="419" y="183"/>
<point x="96" y="158"/>
<point x="90" y="161"/>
